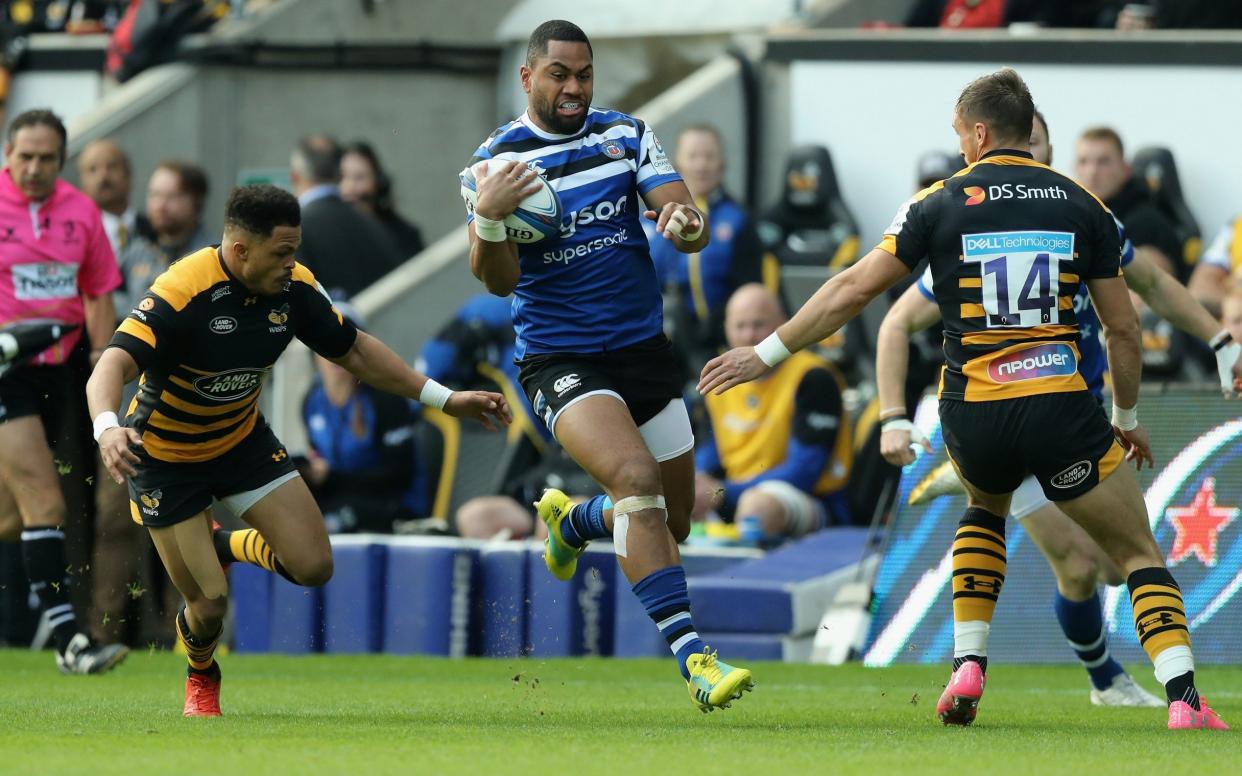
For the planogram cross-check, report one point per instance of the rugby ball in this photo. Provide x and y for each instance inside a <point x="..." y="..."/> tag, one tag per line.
<point x="538" y="217"/>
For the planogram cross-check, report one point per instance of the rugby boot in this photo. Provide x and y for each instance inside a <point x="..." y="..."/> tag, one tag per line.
<point x="84" y="656"/>
<point x="940" y="481"/>
<point x="560" y="558"/>
<point x="713" y="683"/>
<point x="1182" y="716"/>
<point x="202" y="693"/>
<point x="960" y="700"/>
<point x="1124" y="691"/>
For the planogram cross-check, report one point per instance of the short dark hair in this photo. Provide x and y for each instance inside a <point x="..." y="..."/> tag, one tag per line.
<point x="555" y="29"/>
<point x="190" y="177"/>
<point x="321" y="157"/>
<point x="261" y="208"/>
<point x="1002" y="102"/>
<point x="1105" y="133"/>
<point x="36" y="118"/>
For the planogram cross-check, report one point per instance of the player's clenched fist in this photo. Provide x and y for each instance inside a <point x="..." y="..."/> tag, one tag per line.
<point x="677" y="220"/>
<point x="114" y="449"/>
<point x="488" y="408"/>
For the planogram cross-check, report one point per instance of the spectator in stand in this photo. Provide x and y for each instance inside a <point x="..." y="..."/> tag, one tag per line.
<point x="702" y="282"/>
<point x="55" y="261"/>
<point x="105" y="173"/>
<point x="1217" y="273"/>
<point x="365" y="184"/>
<point x="362" y="455"/>
<point x="346" y="250"/>
<point x="121" y="546"/>
<point x="176" y="195"/>
<point x="779" y="453"/>
<point x="1100" y="165"/>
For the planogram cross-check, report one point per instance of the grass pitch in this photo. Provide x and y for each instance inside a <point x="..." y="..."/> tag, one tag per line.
<point x="384" y="714"/>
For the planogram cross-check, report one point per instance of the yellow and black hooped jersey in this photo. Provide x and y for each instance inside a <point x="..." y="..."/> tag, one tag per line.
<point x="204" y="345"/>
<point x="1009" y="241"/>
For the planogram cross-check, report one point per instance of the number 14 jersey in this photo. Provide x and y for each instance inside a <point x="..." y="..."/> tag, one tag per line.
<point x="1010" y="241"/>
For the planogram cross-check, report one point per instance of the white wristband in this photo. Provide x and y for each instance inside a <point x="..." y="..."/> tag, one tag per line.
<point x="489" y="229"/>
<point x="1125" y="419"/>
<point x="105" y="421"/>
<point x="772" y="351"/>
<point x="901" y="424"/>
<point x="434" y="394"/>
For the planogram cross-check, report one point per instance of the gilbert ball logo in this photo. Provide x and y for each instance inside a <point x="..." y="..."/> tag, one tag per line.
<point x="974" y="195"/>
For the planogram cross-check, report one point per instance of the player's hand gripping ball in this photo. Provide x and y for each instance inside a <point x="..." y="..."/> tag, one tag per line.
<point x="530" y="208"/>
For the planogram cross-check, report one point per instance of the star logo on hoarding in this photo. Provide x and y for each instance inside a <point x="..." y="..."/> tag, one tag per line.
<point x="1198" y="525"/>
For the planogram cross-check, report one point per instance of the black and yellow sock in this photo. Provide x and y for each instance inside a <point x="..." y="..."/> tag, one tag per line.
<point x="248" y="546"/>
<point x="1160" y="622"/>
<point x="199" y="651"/>
<point x="978" y="573"/>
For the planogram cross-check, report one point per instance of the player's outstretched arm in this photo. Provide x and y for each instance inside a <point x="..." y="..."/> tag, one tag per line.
<point x="836" y="302"/>
<point x="375" y="364"/>
<point x="1174" y="303"/>
<point x="114" y="369"/>
<point x="672" y="208"/>
<point x="493" y="259"/>
<point x="911" y="313"/>
<point x="1122" y="339"/>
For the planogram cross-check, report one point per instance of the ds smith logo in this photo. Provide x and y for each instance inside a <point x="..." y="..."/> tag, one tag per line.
<point x="976" y="195"/>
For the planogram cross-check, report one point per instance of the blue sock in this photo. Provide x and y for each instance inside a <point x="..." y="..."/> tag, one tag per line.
<point x="663" y="594"/>
<point x="586" y="522"/>
<point x="1082" y="622"/>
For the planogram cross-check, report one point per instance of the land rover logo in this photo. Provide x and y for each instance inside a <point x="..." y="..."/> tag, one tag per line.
<point x="223" y="324"/>
<point x="1072" y="475"/>
<point x="230" y="385"/>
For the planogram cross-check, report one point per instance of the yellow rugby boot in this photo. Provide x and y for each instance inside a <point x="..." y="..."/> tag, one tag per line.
<point x="560" y="558"/>
<point x="940" y="481"/>
<point x="714" y="684"/>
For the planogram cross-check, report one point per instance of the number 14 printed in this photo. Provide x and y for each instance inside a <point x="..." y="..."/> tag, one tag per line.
<point x="1020" y="286"/>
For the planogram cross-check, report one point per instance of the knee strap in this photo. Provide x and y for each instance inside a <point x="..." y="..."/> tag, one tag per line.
<point x="621" y="517"/>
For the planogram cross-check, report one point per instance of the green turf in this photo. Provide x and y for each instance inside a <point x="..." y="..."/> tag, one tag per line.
<point x="381" y="714"/>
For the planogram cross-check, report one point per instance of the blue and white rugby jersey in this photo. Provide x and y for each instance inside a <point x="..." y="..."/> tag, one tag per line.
<point x="1092" y="362"/>
<point x="593" y="288"/>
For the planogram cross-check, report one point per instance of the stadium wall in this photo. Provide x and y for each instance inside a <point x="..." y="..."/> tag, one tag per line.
<point x="880" y="100"/>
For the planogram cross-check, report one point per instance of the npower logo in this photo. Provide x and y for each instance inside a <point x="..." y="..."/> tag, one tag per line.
<point x="974" y="195"/>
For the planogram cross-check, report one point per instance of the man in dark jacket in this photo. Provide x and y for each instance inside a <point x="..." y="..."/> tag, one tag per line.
<point x="346" y="250"/>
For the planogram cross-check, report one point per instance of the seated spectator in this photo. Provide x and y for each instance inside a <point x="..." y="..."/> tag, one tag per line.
<point x="346" y="250"/>
<point x="104" y="171"/>
<point x="703" y="282"/>
<point x="176" y="195"/>
<point x="1101" y="166"/>
<point x="1217" y="272"/>
<point x="366" y="185"/>
<point x="779" y="453"/>
<point x="362" y="454"/>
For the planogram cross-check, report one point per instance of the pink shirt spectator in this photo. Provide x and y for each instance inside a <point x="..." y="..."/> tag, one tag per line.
<point x="51" y="253"/>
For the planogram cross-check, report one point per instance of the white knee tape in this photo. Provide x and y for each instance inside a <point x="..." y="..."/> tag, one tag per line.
<point x="621" y="518"/>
